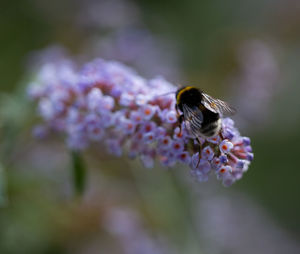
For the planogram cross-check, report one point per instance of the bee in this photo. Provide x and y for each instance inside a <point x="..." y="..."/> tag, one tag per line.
<point x="201" y="113"/>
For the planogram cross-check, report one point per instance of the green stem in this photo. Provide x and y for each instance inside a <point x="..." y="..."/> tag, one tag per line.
<point x="3" y="198"/>
<point x="79" y="173"/>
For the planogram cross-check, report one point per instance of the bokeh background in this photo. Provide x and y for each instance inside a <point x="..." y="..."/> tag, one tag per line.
<point x="246" y="52"/>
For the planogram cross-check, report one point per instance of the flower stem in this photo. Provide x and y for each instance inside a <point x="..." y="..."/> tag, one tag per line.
<point x="79" y="173"/>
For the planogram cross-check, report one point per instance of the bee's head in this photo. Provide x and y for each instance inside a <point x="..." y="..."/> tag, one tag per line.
<point x="189" y="95"/>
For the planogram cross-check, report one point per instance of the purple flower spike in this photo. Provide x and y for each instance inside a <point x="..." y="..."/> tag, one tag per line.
<point x="108" y="103"/>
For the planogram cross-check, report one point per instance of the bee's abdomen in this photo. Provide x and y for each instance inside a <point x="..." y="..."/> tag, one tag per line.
<point x="211" y="123"/>
<point x="211" y="129"/>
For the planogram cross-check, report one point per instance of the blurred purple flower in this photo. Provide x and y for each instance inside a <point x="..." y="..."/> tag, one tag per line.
<point x="113" y="29"/>
<point x="85" y="106"/>
<point x="220" y="225"/>
<point x="138" y="47"/>
<point x="256" y="84"/>
<point x="127" y="227"/>
<point x="107" y="14"/>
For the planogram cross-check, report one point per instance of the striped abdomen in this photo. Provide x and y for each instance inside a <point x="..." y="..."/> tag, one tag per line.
<point x="202" y="122"/>
<point x="211" y="124"/>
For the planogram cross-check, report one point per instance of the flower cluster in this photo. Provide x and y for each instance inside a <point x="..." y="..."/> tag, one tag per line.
<point x="108" y="103"/>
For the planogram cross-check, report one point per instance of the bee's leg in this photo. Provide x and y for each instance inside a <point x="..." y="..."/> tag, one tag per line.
<point x="177" y="111"/>
<point x="180" y="120"/>
<point x="221" y="135"/>
<point x="200" y="149"/>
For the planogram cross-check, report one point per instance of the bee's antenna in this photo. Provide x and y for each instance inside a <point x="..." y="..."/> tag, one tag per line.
<point x="164" y="94"/>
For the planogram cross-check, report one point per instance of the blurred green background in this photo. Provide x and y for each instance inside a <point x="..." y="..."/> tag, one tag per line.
<point x="39" y="213"/>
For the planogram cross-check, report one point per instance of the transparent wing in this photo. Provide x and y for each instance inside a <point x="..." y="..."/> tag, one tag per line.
<point x="217" y="106"/>
<point x="193" y="119"/>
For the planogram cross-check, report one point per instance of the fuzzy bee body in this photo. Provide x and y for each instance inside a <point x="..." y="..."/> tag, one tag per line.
<point x="200" y="112"/>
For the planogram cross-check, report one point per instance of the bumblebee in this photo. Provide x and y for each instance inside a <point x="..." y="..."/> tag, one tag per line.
<point x="200" y="112"/>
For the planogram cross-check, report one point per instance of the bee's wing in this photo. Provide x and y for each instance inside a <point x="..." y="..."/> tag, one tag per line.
<point x="193" y="119"/>
<point x="217" y="106"/>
